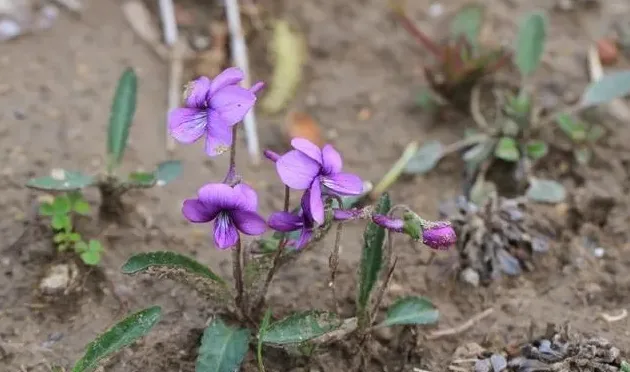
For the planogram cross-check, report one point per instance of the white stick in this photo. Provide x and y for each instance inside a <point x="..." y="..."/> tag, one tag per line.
<point x="239" y="57"/>
<point x="169" y="27"/>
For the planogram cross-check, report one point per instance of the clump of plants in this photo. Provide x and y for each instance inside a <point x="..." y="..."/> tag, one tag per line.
<point x="110" y="184"/>
<point x="246" y="322"/>
<point x="61" y="209"/>
<point x="515" y="137"/>
<point x="460" y="61"/>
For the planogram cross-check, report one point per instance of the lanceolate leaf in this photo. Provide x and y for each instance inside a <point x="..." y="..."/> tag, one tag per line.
<point x="122" y="334"/>
<point x="546" y="191"/>
<point x="121" y="116"/>
<point x="177" y="267"/>
<point x="611" y="86"/>
<point x="371" y="256"/>
<point x="411" y="310"/>
<point x="468" y="22"/>
<point x="301" y="327"/>
<point x="223" y="348"/>
<point x="142" y="179"/>
<point x="425" y="159"/>
<point x="64" y="181"/>
<point x="531" y="43"/>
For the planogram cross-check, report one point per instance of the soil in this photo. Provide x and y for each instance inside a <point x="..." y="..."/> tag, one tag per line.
<point x="56" y="88"/>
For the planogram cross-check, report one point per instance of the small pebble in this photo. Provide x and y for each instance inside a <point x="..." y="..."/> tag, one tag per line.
<point x="436" y="10"/>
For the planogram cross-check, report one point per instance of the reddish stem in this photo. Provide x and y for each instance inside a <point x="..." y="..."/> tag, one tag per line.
<point x="420" y="36"/>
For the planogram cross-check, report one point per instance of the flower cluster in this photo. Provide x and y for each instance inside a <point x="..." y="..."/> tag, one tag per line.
<point x="213" y="108"/>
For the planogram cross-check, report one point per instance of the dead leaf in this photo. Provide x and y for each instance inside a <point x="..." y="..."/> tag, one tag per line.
<point x="301" y="124"/>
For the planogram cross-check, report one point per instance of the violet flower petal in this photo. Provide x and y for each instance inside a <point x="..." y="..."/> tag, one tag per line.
<point x="285" y="222"/>
<point x="218" y="196"/>
<point x="331" y="160"/>
<point x="343" y="183"/>
<point x="297" y="170"/>
<point x="248" y="222"/>
<point x="195" y="211"/>
<point x="197" y="91"/>
<point x="225" y="233"/>
<point x="219" y="138"/>
<point x="316" y="205"/>
<point x="248" y="197"/>
<point x="308" y="148"/>
<point x="232" y="103"/>
<point x="229" y="76"/>
<point x="305" y="237"/>
<point x="187" y="125"/>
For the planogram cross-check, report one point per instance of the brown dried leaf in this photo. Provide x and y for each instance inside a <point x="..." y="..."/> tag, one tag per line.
<point x="301" y="124"/>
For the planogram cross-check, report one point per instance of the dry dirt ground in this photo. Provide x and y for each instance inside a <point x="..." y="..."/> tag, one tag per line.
<point x="55" y="89"/>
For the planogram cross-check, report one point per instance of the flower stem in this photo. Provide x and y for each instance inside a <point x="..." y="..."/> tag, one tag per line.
<point x="230" y="177"/>
<point x="237" y="272"/>
<point x="277" y="255"/>
<point x="333" y="263"/>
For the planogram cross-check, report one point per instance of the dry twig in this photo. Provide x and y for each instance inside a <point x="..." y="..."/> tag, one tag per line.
<point x="462" y="327"/>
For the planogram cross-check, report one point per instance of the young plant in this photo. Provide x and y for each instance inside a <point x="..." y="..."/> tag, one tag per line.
<point x="582" y="135"/>
<point x="110" y="185"/>
<point x="460" y="61"/>
<point x="61" y="210"/>
<point x="330" y="199"/>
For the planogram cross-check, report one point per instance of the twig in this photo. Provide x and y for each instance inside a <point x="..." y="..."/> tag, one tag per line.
<point x="381" y="291"/>
<point x="614" y="318"/>
<point x="462" y="327"/>
<point x="475" y="108"/>
<point x="239" y="57"/>
<point x="176" y="68"/>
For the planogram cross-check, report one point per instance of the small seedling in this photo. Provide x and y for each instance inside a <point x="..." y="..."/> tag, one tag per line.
<point x="61" y="210"/>
<point x="330" y="199"/>
<point x="110" y="185"/>
<point x="460" y="61"/>
<point x="583" y="136"/>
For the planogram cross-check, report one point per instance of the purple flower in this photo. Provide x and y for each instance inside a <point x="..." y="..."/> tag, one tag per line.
<point x="212" y="108"/>
<point x="232" y="208"/>
<point x="393" y="224"/>
<point x="438" y="235"/>
<point x="287" y="222"/>
<point x="309" y="167"/>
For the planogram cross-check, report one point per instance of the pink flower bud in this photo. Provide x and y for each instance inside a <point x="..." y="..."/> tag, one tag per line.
<point x="438" y="235"/>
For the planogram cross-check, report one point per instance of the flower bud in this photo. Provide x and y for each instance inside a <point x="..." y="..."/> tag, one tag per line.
<point x="393" y="224"/>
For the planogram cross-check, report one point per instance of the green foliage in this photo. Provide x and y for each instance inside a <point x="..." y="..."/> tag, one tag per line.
<point x="121" y="117"/>
<point x="530" y="43"/>
<point x="119" y="336"/>
<point x="546" y="191"/>
<point x="60" y="211"/>
<point x="411" y="310"/>
<point x="167" y="171"/>
<point x="468" y="22"/>
<point x="536" y="149"/>
<point x="582" y="135"/>
<point x="223" y="348"/>
<point x="62" y="180"/>
<point x="371" y="258"/>
<point x="301" y="327"/>
<point x="264" y="325"/>
<point x="425" y="159"/>
<point x="507" y="149"/>
<point x="610" y="87"/>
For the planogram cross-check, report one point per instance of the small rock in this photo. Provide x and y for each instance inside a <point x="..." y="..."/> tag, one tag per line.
<point x="58" y="279"/>
<point x="607" y="51"/>
<point x="470" y="276"/>
<point x="498" y="362"/>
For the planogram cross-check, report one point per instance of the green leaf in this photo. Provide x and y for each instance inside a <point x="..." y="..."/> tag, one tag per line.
<point x="121" y="117"/>
<point x="546" y="191"/>
<point x="371" y="256"/>
<point x="61" y="237"/>
<point x="223" y="348"/>
<point x="46" y="209"/>
<point x="178" y="267"/>
<point x="411" y="310"/>
<point x="81" y="247"/>
<point x="582" y="155"/>
<point x="425" y="159"/>
<point x="574" y="129"/>
<point x="468" y="22"/>
<point x="301" y="327"/>
<point x="60" y="221"/>
<point x="74" y="237"/>
<point x="168" y="171"/>
<point x="482" y="190"/>
<point x="595" y="133"/>
<point x="95" y="246"/>
<point x="625" y="366"/>
<point x="507" y="149"/>
<point x="537" y="149"/>
<point x="66" y="181"/>
<point x="611" y="86"/>
<point x="61" y="205"/>
<point x="530" y="43"/>
<point x="479" y="153"/>
<point x="81" y="207"/>
<point x="259" y="344"/>
<point x="122" y="334"/>
<point x="91" y="258"/>
<point x="142" y="179"/>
